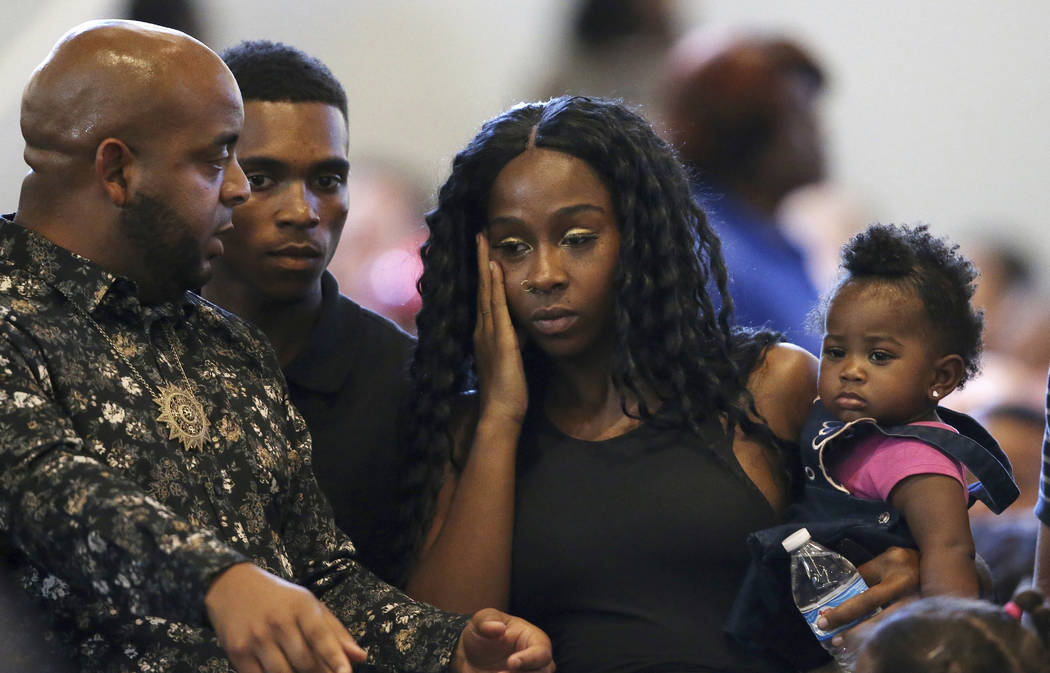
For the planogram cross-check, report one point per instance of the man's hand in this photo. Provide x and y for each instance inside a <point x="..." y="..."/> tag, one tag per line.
<point x="892" y="575"/>
<point x="495" y="642"/>
<point x="268" y="625"/>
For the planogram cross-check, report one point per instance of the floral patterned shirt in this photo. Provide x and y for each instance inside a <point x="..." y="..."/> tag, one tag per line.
<point x="117" y="530"/>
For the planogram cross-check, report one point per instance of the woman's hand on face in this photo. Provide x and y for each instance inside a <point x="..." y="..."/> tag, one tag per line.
<point x="501" y="373"/>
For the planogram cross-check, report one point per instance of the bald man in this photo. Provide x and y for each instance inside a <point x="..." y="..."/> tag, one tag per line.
<point x="156" y="494"/>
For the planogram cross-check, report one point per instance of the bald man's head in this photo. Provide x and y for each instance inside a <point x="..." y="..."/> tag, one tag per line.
<point x="109" y="79"/>
<point x="130" y="131"/>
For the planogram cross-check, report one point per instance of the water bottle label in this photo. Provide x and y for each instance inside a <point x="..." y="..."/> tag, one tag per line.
<point x="810" y="613"/>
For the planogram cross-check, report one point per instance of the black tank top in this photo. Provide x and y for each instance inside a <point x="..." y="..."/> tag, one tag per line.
<point x="628" y="552"/>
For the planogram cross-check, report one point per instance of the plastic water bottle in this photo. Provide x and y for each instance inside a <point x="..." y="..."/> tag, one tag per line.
<point x="821" y="579"/>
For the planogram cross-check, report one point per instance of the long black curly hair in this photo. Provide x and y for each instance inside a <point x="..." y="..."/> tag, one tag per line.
<point x="934" y="268"/>
<point x="669" y="338"/>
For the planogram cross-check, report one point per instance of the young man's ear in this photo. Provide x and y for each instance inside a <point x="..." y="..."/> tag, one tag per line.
<point x="947" y="373"/>
<point x="115" y="167"/>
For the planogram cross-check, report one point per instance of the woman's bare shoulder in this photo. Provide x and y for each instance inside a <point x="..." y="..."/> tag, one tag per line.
<point x="784" y="384"/>
<point x="785" y="361"/>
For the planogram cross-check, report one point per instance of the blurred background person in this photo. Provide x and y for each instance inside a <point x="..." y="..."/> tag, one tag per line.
<point x="1009" y="294"/>
<point x="1017" y="320"/>
<point x="615" y="49"/>
<point x="741" y="109"/>
<point x="1007" y="542"/>
<point x="182" y="15"/>
<point x="1008" y="398"/>
<point x="1008" y="394"/>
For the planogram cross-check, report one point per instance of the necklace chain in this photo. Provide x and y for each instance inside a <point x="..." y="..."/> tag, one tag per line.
<point x="170" y="338"/>
<point x="123" y="358"/>
<point x="180" y="411"/>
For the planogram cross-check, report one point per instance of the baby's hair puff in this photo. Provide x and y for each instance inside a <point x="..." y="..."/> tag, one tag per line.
<point x="933" y="267"/>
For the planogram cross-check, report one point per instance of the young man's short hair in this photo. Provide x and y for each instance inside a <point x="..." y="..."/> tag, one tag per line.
<point x="276" y="72"/>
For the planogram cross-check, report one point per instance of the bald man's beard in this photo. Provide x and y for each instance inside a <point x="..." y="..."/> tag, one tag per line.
<point x="169" y="251"/>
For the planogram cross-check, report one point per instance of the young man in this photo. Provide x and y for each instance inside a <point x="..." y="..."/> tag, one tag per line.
<point x="345" y="366"/>
<point x="156" y="494"/>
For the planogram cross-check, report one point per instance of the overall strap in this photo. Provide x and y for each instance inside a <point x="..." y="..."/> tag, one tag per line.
<point x="980" y="453"/>
<point x="971" y="445"/>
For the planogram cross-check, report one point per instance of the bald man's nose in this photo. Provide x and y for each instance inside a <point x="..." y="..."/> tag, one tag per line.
<point x="235" y="189"/>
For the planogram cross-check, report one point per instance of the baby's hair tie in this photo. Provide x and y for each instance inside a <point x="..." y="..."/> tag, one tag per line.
<point x="1013" y="609"/>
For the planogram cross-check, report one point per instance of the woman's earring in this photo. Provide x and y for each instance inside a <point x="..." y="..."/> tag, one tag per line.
<point x="935" y="394"/>
<point x="527" y="286"/>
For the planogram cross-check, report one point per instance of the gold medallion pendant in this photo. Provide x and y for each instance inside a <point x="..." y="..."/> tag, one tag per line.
<point x="183" y="415"/>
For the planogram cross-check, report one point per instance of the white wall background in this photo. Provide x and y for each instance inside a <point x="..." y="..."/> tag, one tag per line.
<point x="937" y="111"/>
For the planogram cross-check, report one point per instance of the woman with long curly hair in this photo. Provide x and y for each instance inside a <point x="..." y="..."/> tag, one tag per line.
<point x="592" y="440"/>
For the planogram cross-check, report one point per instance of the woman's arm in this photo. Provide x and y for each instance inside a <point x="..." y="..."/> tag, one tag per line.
<point x="465" y="563"/>
<point x="935" y="510"/>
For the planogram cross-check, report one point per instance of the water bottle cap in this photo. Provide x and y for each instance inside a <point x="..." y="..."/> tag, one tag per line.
<point x="796" y="540"/>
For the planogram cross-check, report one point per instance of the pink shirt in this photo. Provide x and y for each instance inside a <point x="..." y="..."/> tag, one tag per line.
<point x="878" y="463"/>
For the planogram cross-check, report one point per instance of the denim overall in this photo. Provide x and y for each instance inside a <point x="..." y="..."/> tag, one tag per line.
<point x="764" y="615"/>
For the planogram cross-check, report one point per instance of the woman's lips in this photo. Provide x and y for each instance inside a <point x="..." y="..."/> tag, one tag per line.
<point x="553" y="321"/>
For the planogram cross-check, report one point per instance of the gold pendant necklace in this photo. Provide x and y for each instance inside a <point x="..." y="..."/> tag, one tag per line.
<point x="179" y="410"/>
<point x="183" y="414"/>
